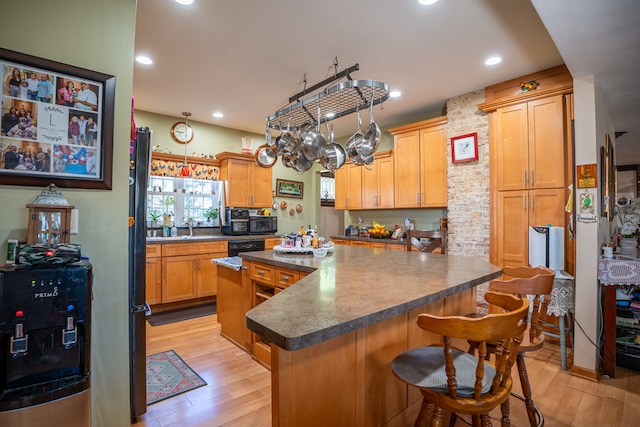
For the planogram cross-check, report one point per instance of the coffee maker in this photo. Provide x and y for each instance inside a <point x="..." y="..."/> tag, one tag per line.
<point x="45" y="335"/>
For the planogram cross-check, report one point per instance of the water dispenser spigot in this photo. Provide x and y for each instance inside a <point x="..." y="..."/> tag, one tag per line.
<point x="19" y="342"/>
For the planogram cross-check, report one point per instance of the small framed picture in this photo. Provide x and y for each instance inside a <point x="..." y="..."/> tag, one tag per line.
<point x="291" y="189"/>
<point x="464" y="148"/>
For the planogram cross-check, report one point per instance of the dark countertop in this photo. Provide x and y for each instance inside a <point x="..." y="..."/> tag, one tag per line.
<point x="209" y="238"/>
<point x="354" y="287"/>
<point x="372" y="239"/>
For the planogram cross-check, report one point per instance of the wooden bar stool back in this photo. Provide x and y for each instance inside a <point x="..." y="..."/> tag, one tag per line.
<point x="438" y="242"/>
<point x="454" y="381"/>
<point x="537" y="283"/>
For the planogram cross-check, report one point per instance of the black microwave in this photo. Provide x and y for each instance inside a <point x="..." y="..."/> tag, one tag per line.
<point x="263" y="224"/>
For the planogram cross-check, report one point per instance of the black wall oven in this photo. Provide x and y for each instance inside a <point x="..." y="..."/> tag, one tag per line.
<point x="237" y="222"/>
<point x="263" y="224"/>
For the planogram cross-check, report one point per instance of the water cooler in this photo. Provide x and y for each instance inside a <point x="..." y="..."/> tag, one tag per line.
<point x="45" y="336"/>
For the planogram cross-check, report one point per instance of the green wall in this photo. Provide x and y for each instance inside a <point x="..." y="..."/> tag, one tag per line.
<point x="97" y="35"/>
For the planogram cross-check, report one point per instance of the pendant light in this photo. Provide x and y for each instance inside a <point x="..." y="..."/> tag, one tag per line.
<point x="184" y="171"/>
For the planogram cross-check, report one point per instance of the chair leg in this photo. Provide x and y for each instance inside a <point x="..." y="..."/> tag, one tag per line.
<point x="563" y="343"/>
<point x="438" y="417"/>
<point x="425" y="409"/>
<point x="526" y="390"/>
<point x="505" y="421"/>
<point x="485" y="421"/>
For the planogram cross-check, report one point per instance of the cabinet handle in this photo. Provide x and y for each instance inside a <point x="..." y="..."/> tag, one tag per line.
<point x="524" y="182"/>
<point x="285" y="278"/>
<point x="261" y="273"/>
<point x="532" y="180"/>
<point x="524" y="202"/>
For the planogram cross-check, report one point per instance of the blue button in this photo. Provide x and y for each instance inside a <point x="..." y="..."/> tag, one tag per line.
<point x="70" y="307"/>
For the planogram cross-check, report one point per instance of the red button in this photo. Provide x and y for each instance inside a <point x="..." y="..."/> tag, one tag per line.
<point x="19" y="313"/>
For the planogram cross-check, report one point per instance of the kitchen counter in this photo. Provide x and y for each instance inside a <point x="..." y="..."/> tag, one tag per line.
<point x="335" y="332"/>
<point x="402" y="242"/>
<point x="355" y="287"/>
<point x="208" y="238"/>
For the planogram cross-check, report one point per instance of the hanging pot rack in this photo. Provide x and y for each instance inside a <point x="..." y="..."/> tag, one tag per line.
<point x="340" y="99"/>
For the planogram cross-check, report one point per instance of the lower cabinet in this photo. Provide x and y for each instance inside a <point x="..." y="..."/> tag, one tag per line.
<point x="153" y="288"/>
<point x="369" y="244"/>
<point x="179" y="272"/>
<point x="266" y="281"/>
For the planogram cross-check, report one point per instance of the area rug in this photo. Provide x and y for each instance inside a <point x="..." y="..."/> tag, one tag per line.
<point x="183" y="314"/>
<point x="168" y="375"/>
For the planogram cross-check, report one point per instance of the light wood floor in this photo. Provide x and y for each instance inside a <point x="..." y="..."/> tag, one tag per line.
<point x="238" y="389"/>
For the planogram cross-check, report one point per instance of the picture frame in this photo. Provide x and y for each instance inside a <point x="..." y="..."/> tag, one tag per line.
<point x="464" y="148"/>
<point x="57" y="124"/>
<point x="292" y="189"/>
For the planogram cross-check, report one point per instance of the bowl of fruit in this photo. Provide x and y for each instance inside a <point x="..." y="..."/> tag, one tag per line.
<point x="378" y="231"/>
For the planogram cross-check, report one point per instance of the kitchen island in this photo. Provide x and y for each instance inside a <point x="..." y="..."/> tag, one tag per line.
<point x="334" y="333"/>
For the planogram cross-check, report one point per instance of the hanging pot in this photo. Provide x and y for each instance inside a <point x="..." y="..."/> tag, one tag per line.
<point x="313" y="141"/>
<point x="371" y="137"/>
<point x="265" y="157"/>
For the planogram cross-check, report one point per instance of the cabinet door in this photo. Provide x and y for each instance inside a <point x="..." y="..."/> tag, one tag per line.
<point x="153" y="286"/>
<point x="261" y="187"/>
<point x="512" y="147"/>
<point x="239" y="183"/>
<point x="546" y="143"/>
<point x="348" y="187"/>
<point x="433" y="167"/>
<point x="179" y="278"/>
<point x="385" y="182"/>
<point x="342" y="187"/>
<point x="271" y="243"/>
<point x="546" y="207"/>
<point x="370" y="181"/>
<point x="407" y="170"/>
<point x="341" y="242"/>
<point x="207" y="275"/>
<point x="512" y="233"/>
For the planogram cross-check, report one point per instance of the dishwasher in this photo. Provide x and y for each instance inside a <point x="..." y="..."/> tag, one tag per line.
<point x="233" y="290"/>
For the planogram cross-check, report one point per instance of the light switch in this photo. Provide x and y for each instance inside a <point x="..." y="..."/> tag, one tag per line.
<point x="74" y="221"/>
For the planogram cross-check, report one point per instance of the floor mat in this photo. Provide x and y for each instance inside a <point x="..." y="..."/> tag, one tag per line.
<point x="182" y="314"/>
<point x="168" y="375"/>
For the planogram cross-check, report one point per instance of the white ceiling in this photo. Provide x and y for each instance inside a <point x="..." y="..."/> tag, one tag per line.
<point x="246" y="57"/>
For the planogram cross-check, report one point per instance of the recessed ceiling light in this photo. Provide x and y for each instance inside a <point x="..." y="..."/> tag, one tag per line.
<point x="395" y="93"/>
<point x="217" y="114"/>
<point x="493" y="60"/>
<point x="329" y="115"/>
<point x="185" y="2"/>
<point x="426" y="2"/>
<point x="144" y="60"/>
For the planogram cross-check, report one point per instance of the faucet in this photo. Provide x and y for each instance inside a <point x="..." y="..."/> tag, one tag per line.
<point x="188" y="224"/>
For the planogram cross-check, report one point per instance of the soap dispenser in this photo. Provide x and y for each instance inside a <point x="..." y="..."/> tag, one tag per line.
<point x="174" y="231"/>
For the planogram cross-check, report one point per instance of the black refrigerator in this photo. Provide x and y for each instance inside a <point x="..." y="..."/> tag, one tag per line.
<point x="138" y="308"/>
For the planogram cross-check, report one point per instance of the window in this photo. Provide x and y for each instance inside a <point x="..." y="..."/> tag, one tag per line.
<point x="185" y="199"/>
<point x="327" y="189"/>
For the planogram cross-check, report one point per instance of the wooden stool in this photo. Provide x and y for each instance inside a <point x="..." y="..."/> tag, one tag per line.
<point x="458" y="382"/>
<point x="537" y="282"/>
<point x="438" y="237"/>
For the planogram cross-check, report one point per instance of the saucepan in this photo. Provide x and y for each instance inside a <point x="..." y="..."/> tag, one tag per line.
<point x="313" y="141"/>
<point x="354" y="142"/>
<point x="371" y="137"/>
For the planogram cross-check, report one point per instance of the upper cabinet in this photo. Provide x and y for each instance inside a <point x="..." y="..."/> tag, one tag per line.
<point x="420" y="164"/>
<point x="377" y="182"/>
<point x="348" y="187"/>
<point x="248" y="185"/>
<point x="531" y="153"/>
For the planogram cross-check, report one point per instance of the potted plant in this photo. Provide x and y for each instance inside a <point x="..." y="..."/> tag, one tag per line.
<point x="154" y="219"/>
<point x="169" y="201"/>
<point x="211" y="214"/>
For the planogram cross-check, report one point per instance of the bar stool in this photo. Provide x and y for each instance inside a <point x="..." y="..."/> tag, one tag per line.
<point x="536" y="282"/>
<point x="438" y="242"/>
<point x="458" y="382"/>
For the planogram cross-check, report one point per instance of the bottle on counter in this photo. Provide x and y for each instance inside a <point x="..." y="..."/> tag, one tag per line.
<point x="174" y="231"/>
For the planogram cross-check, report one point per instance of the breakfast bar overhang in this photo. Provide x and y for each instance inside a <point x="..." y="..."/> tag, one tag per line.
<point x="334" y="333"/>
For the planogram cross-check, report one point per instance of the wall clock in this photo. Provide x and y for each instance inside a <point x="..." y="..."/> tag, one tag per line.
<point x="179" y="130"/>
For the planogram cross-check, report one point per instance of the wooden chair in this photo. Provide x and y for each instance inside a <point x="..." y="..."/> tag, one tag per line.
<point x="538" y="284"/>
<point x="437" y="245"/>
<point x="454" y="381"/>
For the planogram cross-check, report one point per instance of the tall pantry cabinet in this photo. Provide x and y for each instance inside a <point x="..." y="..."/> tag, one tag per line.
<point x="531" y="162"/>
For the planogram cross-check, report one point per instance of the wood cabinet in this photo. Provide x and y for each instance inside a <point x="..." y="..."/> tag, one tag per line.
<point x="420" y="164"/>
<point x="343" y="242"/>
<point x="153" y="285"/>
<point x="187" y="271"/>
<point x="348" y="180"/>
<point x="248" y="185"/>
<point x="516" y="212"/>
<point x="530" y="163"/>
<point x="234" y="300"/>
<point x="266" y="281"/>
<point x="370" y="243"/>
<point x="377" y="182"/>
<point x="271" y="243"/>
<point x="530" y="154"/>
